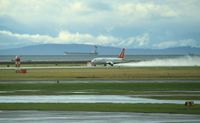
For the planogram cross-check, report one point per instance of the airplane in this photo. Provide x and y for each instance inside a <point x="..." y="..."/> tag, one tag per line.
<point x="109" y="60"/>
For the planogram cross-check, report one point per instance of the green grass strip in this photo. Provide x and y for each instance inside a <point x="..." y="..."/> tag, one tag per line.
<point x="104" y="107"/>
<point x="103" y="86"/>
<point x="175" y="90"/>
<point x="104" y="73"/>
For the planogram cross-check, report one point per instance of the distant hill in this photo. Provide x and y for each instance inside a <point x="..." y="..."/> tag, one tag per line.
<point x="59" y="49"/>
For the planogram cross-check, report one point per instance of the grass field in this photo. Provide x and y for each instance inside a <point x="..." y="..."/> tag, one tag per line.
<point x="185" y="91"/>
<point x="104" y="73"/>
<point x="169" y="90"/>
<point x="105" y="107"/>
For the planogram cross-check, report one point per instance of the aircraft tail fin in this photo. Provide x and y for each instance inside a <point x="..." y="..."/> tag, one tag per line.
<point x="122" y="53"/>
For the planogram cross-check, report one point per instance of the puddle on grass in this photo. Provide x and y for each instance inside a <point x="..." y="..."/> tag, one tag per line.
<point x="86" y="99"/>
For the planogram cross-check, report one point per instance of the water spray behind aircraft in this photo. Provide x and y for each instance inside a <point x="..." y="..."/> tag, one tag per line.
<point x="179" y="61"/>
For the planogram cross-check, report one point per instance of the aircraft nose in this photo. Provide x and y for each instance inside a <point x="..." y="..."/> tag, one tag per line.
<point x="93" y="60"/>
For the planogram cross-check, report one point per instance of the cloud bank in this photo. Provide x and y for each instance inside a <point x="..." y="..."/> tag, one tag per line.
<point x="65" y="37"/>
<point x="127" y="23"/>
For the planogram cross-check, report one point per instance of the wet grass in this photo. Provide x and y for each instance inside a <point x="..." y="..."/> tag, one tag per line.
<point x="175" y="90"/>
<point x="104" y="73"/>
<point x="104" y="107"/>
<point x="111" y="88"/>
<point x="102" y="87"/>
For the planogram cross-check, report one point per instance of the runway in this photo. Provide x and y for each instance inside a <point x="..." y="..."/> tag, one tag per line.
<point x="59" y="67"/>
<point x="87" y="99"/>
<point x="92" y="117"/>
<point x="47" y="67"/>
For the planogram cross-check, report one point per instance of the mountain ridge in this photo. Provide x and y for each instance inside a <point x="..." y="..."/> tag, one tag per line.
<point x="59" y="49"/>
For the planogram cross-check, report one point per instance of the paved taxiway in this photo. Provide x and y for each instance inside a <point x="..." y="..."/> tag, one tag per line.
<point x="47" y="67"/>
<point x="93" y="117"/>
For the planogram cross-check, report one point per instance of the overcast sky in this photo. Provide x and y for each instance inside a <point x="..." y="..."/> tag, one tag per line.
<point x="120" y="23"/>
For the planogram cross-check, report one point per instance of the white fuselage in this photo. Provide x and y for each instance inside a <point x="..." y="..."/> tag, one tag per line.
<point x="106" y="60"/>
